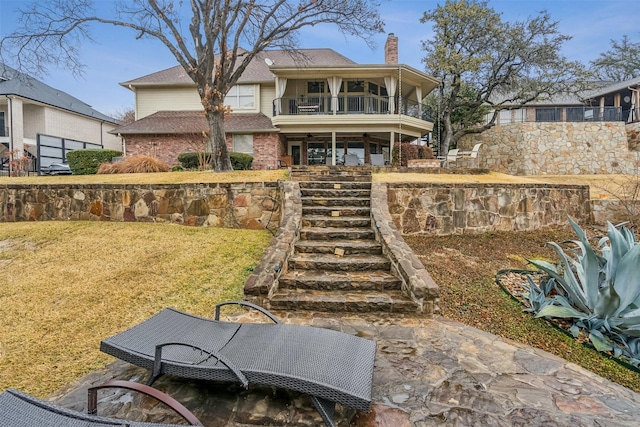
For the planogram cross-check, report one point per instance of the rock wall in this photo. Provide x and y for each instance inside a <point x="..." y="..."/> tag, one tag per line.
<point x="462" y="208"/>
<point x="633" y="136"/>
<point x="233" y="205"/>
<point x="554" y="148"/>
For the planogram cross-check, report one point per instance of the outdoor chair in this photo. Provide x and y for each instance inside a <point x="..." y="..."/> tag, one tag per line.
<point x="18" y="409"/>
<point x="350" y="160"/>
<point x="473" y="154"/>
<point x="451" y="157"/>
<point x="331" y="367"/>
<point x="377" y="160"/>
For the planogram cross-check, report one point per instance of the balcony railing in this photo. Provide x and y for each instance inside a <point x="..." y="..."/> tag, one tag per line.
<point x="351" y="104"/>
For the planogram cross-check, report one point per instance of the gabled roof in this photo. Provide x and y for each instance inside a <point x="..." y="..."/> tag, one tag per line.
<point x="189" y="122"/>
<point x="615" y="87"/>
<point x="256" y="72"/>
<point x="13" y="82"/>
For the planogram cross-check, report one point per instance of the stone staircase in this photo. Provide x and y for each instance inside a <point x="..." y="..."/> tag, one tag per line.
<point x="337" y="265"/>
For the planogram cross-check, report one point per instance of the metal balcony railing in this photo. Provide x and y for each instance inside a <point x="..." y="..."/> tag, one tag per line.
<point x="350" y="104"/>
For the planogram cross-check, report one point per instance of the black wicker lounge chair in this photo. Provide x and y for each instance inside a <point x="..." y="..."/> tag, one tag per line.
<point x="21" y="410"/>
<point x="331" y="367"/>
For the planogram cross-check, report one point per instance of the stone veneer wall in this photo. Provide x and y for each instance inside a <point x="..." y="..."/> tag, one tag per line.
<point x="539" y="148"/>
<point x="461" y="208"/>
<point x="234" y="205"/>
<point x="633" y="136"/>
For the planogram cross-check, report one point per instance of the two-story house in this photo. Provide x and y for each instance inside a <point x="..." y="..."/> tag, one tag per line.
<point x="44" y="123"/>
<point x="304" y="107"/>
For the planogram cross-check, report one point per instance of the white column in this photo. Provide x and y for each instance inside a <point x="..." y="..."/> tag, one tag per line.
<point x="333" y="148"/>
<point x="392" y="139"/>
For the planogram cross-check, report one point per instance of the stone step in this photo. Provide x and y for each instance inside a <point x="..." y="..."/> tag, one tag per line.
<point x="342" y="210"/>
<point x="335" y="233"/>
<point x="336" y="201"/>
<point x="331" y="262"/>
<point x="344" y="185"/>
<point x="332" y="178"/>
<point x="341" y="301"/>
<point x="335" y="193"/>
<point x="342" y="280"/>
<point x="350" y="247"/>
<point x="335" y="221"/>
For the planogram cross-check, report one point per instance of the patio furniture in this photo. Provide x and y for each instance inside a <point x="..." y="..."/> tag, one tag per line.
<point x="331" y="367"/>
<point x="350" y="160"/>
<point x="377" y="160"/>
<point x="473" y="154"/>
<point x="451" y="157"/>
<point x="18" y="409"/>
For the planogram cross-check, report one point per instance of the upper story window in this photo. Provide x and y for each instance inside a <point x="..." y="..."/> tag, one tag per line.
<point x="355" y="86"/>
<point x="241" y="96"/>
<point x="3" y="128"/>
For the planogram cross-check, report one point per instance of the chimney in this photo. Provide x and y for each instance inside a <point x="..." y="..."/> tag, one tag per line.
<point x="391" y="50"/>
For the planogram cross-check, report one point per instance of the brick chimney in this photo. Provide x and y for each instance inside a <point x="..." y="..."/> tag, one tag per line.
<point x="391" y="50"/>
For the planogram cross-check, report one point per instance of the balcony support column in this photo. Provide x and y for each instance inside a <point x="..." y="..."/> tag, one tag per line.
<point x="333" y="148"/>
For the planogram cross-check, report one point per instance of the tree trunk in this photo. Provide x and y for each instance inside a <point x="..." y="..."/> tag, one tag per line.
<point x="217" y="144"/>
<point x="445" y="141"/>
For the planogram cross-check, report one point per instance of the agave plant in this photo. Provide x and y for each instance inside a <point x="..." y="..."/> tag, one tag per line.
<point x="599" y="291"/>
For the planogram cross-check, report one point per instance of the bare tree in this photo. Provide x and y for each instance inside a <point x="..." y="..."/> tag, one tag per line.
<point x="486" y="64"/>
<point x="124" y="115"/>
<point x="213" y="40"/>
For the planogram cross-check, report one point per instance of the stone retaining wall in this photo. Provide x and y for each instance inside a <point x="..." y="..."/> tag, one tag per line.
<point x="554" y="148"/>
<point x="633" y="136"/>
<point x="233" y="205"/>
<point x="461" y="208"/>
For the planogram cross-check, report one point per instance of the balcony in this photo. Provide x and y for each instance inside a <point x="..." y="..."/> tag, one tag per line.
<point x="344" y="105"/>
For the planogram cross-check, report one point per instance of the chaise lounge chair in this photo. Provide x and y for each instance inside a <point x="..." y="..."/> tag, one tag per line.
<point x="331" y="367"/>
<point x="21" y="410"/>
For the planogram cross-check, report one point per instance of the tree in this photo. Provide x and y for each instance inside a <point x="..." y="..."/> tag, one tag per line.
<point x="486" y="65"/>
<point x="213" y="40"/>
<point x="620" y="63"/>
<point x="125" y="115"/>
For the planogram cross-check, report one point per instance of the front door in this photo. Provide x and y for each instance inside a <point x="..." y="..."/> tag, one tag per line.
<point x="295" y="154"/>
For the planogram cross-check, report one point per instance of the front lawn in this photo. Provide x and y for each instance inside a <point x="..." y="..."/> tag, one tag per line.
<point x="67" y="285"/>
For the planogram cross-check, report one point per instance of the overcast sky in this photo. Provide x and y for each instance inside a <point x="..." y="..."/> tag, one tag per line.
<point x="119" y="57"/>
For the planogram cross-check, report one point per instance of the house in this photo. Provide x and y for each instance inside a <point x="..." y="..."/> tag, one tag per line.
<point x="597" y="132"/>
<point x="45" y="123"/>
<point x="303" y="107"/>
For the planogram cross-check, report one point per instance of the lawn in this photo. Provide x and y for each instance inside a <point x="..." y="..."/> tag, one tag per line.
<point x="66" y="285"/>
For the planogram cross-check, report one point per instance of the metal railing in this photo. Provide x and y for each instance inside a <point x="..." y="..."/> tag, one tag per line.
<point x="350" y="104"/>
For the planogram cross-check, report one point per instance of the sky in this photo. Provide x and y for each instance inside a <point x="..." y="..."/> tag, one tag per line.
<point x="118" y="57"/>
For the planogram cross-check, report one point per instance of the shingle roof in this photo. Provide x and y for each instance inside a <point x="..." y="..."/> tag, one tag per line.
<point x="615" y="87"/>
<point x="183" y="122"/>
<point x="257" y="71"/>
<point x="13" y="82"/>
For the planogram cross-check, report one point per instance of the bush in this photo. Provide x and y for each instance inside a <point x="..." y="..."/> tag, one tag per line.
<point x="196" y="160"/>
<point x="410" y="151"/>
<point x="241" y="161"/>
<point x="87" y="162"/>
<point x="134" y="164"/>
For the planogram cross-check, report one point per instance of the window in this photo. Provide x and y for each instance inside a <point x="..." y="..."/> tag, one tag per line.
<point x="373" y="88"/>
<point x="3" y="129"/>
<point x="550" y="114"/>
<point x="243" y="143"/>
<point x="505" y="117"/>
<point x="241" y="96"/>
<point x="356" y="86"/>
<point x="315" y="87"/>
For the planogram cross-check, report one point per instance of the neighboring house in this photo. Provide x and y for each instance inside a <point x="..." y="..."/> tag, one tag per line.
<point x="45" y="123"/>
<point x="595" y="133"/>
<point x="617" y="102"/>
<point x="304" y="107"/>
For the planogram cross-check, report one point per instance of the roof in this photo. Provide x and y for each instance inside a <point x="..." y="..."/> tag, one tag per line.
<point x="185" y="122"/>
<point x="13" y="82"/>
<point x="615" y="87"/>
<point x="257" y="71"/>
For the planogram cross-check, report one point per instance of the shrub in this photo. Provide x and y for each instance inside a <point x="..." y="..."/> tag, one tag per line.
<point x="86" y="162"/>
<point x="134" y="164"/>
<point x="195" y="160"/>
<point x="598" y="293"/>
<point x="241" y="161"/>
<point x="409" y="151"/>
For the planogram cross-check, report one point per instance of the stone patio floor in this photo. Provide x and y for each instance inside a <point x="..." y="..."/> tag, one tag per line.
<point x="429" y="372"/>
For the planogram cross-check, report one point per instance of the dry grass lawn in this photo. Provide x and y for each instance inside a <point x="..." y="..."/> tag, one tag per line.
<point x="66" y="285"/>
